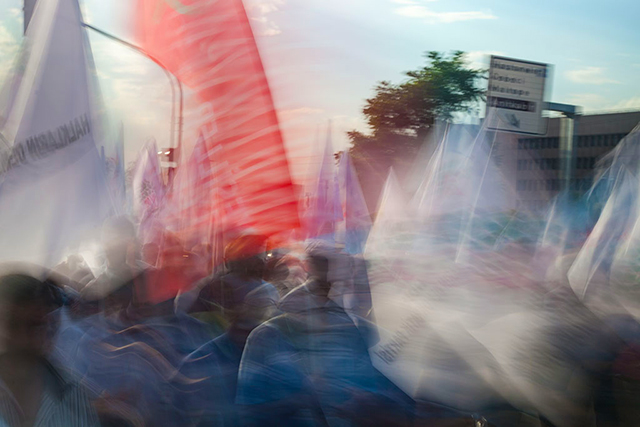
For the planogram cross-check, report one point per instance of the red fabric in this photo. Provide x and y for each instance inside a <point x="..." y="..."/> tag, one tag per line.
<point x="209" y="46"/>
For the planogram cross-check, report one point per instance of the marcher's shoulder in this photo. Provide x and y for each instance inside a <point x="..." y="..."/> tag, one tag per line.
<point x="270" y="328"/>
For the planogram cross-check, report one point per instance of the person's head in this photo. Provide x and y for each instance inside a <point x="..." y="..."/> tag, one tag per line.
<point x="318" y="266"/>
<point x="27" y="319"/>
<point x="119" y="239"/>
<point x="276" y="270"/>
<point x="245" y="256"/>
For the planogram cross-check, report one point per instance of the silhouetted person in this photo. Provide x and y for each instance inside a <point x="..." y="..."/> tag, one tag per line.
<point x="311" y="365"/>
<point x="206" y="384"/>
<point x="122" y="276"/>
<point x="207" y="380"/>
<point x="32" y="390"/>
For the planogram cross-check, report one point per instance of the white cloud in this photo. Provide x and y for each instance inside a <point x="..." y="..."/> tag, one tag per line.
<point x="86" y="13"/>
<point x="479" y="58"/>
<point x="589" y="75"/>
<point x="259" y="11"/>
<point x="422" y="12"/>
<point x="264" y="7"/>
<point x="15" y="12"/>
<point x="298" y="113"/>
<point x="628" y="104"/>
<point x="592" y="102"/>
<point x="588" y="101"/>
<point x="9" y="46"/>
<point x="272" y="29"/>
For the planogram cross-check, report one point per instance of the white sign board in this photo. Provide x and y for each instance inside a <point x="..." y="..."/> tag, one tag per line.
<point x="516" y="92"/>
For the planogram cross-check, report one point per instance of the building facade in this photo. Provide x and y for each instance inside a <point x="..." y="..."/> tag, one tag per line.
<point x="536" y="164"/>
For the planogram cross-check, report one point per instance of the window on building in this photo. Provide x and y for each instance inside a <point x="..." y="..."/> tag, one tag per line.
<point x="580" y="141"/>
<point x="579" y="163"/>
<point x="599" y="140"/>
<point x="593" y="140"/>
<point x="605" y="140"/>
<point x="592" y="162"/>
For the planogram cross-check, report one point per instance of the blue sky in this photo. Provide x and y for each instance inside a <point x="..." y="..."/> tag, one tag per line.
<point x="323" y="56"/>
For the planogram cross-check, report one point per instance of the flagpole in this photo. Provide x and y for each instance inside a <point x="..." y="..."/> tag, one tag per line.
<point x="168" y="73"/>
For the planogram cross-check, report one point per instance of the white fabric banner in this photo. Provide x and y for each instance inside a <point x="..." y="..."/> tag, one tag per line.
<point x="52" y="180"/>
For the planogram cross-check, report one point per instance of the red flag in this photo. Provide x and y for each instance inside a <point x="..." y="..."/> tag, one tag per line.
<point x="210" y="47"/>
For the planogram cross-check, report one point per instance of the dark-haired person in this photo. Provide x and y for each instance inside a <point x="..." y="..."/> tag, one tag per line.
<point x="311" y="366"/>
<point x="33" y="392"/>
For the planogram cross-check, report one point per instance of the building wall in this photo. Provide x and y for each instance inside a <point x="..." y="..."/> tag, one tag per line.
<point x="537" y="159"/>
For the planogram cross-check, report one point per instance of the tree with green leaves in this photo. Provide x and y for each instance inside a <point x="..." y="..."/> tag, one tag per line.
<point x="401" y="115"/>
<point x="436" y="91"/>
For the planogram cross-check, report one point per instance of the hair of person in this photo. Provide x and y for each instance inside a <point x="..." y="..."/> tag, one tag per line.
<point x="318" y="263"/>
<point x="21" y="289"/>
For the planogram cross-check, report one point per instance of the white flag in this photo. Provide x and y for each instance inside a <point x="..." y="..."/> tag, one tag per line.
<point x="356" y="219"/>
<point x="52" y="181"/>
<point x="148" y="190"/>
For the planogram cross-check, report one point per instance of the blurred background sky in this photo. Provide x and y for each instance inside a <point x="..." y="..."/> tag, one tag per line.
<point x="323" y="57"/>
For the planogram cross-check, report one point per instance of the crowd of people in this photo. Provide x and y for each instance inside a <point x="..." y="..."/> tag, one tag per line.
<point x="277" y="338"/>
<point x="283" y="337"/>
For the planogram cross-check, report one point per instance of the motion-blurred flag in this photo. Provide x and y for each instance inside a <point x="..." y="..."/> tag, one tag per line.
<point x="393" y="219"/>
<point x="116" y="173"/>
<point x="613" y="238"/>
<point x="188" y="209"/>
<point x="148" y="188"/>
<point x="209" y="46"/>
<point x="53" y="189"/>
<point x="357" y="221"/>
<point x="325" y="209"/>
